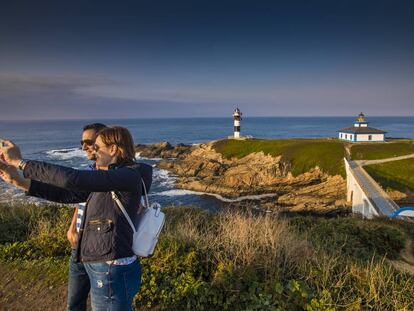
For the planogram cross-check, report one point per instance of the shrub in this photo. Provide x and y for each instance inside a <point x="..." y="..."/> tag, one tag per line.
<point x="40" y="231"/>
<point x="360" y="239"/>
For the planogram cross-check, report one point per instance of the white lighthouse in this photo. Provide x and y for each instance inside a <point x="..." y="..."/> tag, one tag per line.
<point x="237" y="118"/>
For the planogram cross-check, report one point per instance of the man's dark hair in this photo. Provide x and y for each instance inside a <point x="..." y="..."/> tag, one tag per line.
<point x="94" y="126"/>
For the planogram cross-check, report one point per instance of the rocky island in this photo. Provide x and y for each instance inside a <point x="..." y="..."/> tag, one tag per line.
<point x="295" y="174"/>
<point x="202" y="168"/>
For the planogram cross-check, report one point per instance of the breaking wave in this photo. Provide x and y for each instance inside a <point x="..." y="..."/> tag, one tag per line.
<point x="66" y="154"/>
<point x="138" y="157"/>
<point x="163" y="178"/>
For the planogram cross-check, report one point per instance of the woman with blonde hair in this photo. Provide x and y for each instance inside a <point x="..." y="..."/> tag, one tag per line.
<point x="105" y="237"/>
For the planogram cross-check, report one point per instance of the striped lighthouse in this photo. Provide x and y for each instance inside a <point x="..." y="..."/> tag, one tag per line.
<point x="237" y="118"/>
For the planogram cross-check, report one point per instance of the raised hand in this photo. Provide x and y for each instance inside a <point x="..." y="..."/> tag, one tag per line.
<point x="10" y="153"/>
<point x="11" y="176"/>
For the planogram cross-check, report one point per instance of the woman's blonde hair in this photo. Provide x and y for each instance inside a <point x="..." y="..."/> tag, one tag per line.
<point x="122" y="138"/>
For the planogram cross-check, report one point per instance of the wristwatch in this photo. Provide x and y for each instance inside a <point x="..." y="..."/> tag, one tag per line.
<point x="22" y="164"/>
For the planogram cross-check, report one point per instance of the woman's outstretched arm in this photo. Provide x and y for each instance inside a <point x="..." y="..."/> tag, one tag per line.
<point x="56" y="194"/>
<point x="38" y="189"/>
<point x="120" y="179"/>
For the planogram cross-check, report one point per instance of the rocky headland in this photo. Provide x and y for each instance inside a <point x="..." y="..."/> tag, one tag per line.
<point x="162" y="150"/>
<point x="201" y="168"/>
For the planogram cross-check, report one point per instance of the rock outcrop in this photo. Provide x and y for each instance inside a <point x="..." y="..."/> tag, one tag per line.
<point x="162" y="150"/>
<point x="401" y="198"/>
<point x="203" y="169"/>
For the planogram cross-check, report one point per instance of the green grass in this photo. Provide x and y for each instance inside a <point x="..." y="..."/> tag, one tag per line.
<point x="235" y="261"/>
<point x="396" y="175"/>
<point x="301" y="154"/>
<point x="376" y="151"/>
<point x="354" y="237"/>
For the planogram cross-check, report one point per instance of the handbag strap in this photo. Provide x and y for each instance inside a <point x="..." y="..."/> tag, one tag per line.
<point x="145" y="192"/>
<point x="122" y="208"/>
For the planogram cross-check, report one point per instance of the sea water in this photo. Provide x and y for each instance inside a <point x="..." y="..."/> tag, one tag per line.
<point x="58" y="142"/>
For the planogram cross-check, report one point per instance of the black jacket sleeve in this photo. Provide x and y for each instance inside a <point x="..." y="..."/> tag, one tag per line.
<point x="146" y="174"/>
<point x="120" y="179"/>
<point x="56" y="194"/>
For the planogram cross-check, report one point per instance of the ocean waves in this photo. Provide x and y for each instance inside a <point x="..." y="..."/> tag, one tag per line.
<point x="66" y="154"/>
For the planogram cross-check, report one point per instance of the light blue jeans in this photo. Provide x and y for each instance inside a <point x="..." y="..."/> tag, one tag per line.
<point x="113" y="286"/>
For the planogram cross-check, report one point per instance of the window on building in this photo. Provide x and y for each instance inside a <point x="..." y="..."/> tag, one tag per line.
<point x="369" y="137"/>
<point x="346" y="136"/>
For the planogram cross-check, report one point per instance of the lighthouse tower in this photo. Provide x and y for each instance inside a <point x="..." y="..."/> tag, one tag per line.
<point x="361" y="121"/>
<point x="237" y="118"/>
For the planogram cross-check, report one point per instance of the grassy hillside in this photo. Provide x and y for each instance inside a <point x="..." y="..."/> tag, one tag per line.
<point x="302" y="154"/>
<point x="376" y="151"/>
<point x="398" y="175"/>
<point x="230" y="261"/>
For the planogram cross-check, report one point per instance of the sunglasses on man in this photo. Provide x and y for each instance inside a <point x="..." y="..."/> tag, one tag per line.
<point x="88" y="142"/>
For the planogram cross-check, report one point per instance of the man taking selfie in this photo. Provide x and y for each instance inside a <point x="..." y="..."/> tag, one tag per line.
<point x="78" y="281"/>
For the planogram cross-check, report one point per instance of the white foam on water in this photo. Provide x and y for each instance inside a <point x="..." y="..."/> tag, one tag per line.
<point x="66" y="154"/>
<point x="181" y="192"/>
<point x="11" y="195"/>
<point x="163" y="178"/>
<point x="138" y="157"/>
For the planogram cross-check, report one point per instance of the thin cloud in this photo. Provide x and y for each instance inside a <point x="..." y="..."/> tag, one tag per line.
<point x="71" y="96"/>
<point x="322" y="93"/>
<point x="23" y="83"/>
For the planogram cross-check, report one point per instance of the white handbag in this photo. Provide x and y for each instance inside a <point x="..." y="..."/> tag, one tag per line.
<point x="148" y="227"/>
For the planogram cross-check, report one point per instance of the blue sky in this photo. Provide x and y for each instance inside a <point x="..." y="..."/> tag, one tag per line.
<point x="62" y="59"/>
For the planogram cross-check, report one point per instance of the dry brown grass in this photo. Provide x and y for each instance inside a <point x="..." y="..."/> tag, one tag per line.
<point x="373" y="285"/>
<point x="259" y="241"/>
<point x="274" y="250"/>
<point x="378" y="284"/>
<point x="244" y="240"/>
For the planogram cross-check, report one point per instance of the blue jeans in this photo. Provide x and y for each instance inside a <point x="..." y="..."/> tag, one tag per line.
<point x="113" y="286"/>
<point x="78" y="285"/>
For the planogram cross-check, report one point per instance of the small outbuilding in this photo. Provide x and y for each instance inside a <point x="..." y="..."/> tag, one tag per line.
<point x="361" y="132"/>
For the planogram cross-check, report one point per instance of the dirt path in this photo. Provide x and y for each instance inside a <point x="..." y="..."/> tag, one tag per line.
<point x="17" y="295"/>
<point x="368" y="162"/>
<point x="406" y="264"/>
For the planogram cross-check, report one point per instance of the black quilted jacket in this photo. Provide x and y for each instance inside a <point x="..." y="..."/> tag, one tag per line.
<point x="105" y="233"/>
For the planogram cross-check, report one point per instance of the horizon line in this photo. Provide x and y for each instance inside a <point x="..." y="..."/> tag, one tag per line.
<point x="209" y="117"/>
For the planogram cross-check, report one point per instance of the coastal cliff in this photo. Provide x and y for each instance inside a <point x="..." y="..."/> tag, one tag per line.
<point x="201" y="168"/>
